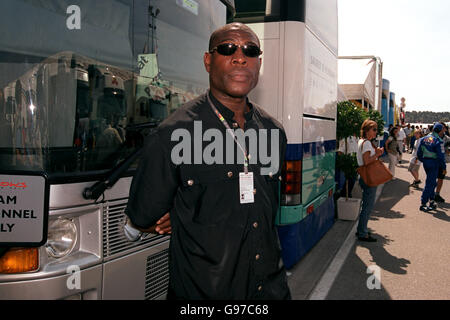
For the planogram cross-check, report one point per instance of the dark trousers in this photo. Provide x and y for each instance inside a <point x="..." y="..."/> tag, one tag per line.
<point x="432" y="169"/>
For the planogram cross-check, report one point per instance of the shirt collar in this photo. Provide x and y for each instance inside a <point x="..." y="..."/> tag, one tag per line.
<point x="436" y="135"/>
<point x="227" y="113"/>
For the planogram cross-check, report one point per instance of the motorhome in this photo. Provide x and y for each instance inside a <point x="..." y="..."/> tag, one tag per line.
<point x="298" y="86"/>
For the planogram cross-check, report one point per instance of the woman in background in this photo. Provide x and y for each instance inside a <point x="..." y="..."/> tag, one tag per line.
<point x="414" y="163"/>
<point x="392" y="149"/>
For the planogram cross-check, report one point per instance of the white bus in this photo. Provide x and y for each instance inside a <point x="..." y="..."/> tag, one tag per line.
<point x="298" y="86"/>
<point x="81" y="84"/>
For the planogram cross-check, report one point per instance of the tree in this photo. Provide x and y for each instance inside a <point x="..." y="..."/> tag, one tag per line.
<point x="426" y="116"/>
<point x="378" y="118"/>
<point x="350" y="118"/>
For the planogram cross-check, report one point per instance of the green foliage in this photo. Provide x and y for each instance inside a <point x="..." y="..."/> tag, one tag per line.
<point x="426" y="116"/>
<point x="349" y="120"/>
<point x="350" y="117"/>
<point x="378" y="118"/>
<point x="348" y="164"/>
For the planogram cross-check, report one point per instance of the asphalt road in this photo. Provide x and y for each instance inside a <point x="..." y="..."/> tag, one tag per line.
<point x="411" y="258"/>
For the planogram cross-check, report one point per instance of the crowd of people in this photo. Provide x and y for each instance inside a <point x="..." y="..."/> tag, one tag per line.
<point x="429" y="147"/>
<point x="407" y="139"/>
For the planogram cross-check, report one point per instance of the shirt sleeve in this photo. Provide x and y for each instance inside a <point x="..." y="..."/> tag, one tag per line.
<point x="420" y="151"/>
<point x="441" y="154"/>
<point x="154" y="184"/>
<point x="367" y="146"/>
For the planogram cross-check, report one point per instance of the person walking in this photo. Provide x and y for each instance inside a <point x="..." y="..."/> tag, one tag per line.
<point x="431" y="153"/>
<point x="224" y="242"/>
<point x="441" y="175"/>
<point x="367" y="153"/>
<point x="408" y="133"/>
<point x="414" y="163"/>
<point x="413" y="139"/>
<point x="392" y="149"/>
<point x="401" y="138"/>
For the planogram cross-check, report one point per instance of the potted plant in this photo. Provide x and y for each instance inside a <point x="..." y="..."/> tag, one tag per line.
<point x="349" y="120"/>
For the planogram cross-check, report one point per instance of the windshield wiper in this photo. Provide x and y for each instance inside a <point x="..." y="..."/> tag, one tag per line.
<point x="95" y="191"/>
<point x="139" y="126"/>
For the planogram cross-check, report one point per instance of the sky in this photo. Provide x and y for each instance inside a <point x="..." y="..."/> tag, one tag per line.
<point x="412" y="38"/>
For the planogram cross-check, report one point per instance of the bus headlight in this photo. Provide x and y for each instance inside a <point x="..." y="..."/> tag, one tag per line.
<point x="62" y="237"/>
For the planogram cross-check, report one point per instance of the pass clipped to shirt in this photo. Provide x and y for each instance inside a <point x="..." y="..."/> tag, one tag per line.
<point x="246" y="187"/>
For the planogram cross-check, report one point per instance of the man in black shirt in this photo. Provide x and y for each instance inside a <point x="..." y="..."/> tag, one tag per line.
<point x="224" y="242"/>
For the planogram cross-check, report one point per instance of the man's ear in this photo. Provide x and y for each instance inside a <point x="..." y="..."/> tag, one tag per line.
<point x="207" y="61"/>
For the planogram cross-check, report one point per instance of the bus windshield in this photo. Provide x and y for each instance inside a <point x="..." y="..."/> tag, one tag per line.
<point x="80" y="79"/>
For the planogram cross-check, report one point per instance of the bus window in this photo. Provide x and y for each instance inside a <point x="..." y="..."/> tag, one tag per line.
<point x="74" y="104"/>
<point x="79" y="91"/>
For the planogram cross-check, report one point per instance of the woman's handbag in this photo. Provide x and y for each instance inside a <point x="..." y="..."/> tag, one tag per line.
<point x="374" y="173"/>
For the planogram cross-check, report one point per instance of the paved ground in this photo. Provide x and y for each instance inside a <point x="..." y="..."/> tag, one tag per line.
<point x="411" y="257"/>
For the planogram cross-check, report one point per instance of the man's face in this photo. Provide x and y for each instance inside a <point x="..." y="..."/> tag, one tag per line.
<point x="234" y="75"/>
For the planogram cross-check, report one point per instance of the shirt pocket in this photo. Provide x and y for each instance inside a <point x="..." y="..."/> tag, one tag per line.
<point x="205" y="175"/>
<point x="212" y="192"/>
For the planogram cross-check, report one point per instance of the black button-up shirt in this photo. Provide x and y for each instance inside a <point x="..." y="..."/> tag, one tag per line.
<point x="220" y="248"/>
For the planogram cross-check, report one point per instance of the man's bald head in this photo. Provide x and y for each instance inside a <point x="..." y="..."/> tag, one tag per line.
<point x="220" y="34"/>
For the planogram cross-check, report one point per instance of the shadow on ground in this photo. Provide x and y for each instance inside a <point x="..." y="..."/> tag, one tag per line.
<point x="356" y="282"/>
<point x="383" y="258"/>
<point x="393" y="192"/>
<point x="439" y="214"/>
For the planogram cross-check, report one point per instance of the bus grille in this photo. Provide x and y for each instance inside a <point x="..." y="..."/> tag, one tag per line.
<point x="114" y="241"/>
<point x="157" y="276"/>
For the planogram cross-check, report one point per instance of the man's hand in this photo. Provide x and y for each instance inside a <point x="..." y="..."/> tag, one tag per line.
<point x="163" y="225"/>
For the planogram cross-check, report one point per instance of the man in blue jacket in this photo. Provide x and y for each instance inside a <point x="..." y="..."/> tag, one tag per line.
<point x="431" y="153"/>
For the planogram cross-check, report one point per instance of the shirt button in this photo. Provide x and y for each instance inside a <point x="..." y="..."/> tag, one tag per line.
<point x="190" y="182"/>
<point x="255" y="225"/>
<point x="257" y="257"/>
<point x="230" y="174"/>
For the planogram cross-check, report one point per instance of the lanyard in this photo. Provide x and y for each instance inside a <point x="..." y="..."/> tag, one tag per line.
<point x="230" y="131"/>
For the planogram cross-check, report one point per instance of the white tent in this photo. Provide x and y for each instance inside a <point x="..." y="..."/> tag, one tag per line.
<point x="357" y="80"/>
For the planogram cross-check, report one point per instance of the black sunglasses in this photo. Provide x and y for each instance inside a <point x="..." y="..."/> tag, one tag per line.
<point x="227" y="49"/>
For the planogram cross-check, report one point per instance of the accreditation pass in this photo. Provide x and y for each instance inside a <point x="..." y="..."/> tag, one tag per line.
<point x="246" y="187"/>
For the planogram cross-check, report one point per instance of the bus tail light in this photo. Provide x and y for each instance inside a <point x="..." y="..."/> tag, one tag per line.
<point x="291" y="184"/>
<point x="19" y="260"/>
<point x="310" y="209"/>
